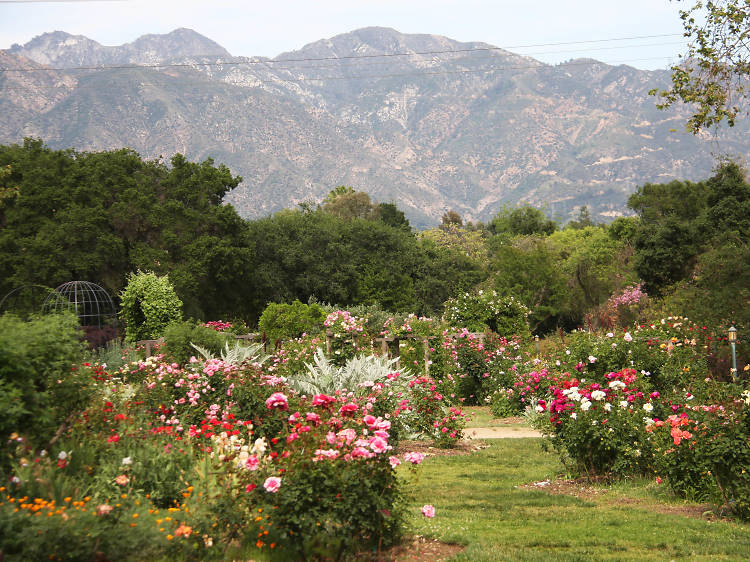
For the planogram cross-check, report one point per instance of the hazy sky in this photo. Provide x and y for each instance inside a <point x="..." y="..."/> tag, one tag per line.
<point x="271" y="27"/>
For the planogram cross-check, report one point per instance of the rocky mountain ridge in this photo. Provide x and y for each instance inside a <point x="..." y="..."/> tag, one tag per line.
<point x="430" y="123"/>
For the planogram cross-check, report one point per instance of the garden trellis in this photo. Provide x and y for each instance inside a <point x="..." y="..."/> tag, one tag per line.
<point x="93" y="306"/>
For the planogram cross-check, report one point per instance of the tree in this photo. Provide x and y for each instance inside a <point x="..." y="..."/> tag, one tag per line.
<point x="679" y="221"/>
<point x="522" y="221"/>
<point x="459" y="239"/>
<point x="101" y="215"/>
<point x="348" y="204"/>
<point x="391" y="215"/>
<point x="529" y="271"/>
<point x="451" y="218"/>
<point x="713" y="72"/>
<point x="583" y="221"/>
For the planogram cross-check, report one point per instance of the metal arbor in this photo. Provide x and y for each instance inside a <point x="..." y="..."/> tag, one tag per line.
<point x="25" y="300"/>
<point x="92" y="305"/>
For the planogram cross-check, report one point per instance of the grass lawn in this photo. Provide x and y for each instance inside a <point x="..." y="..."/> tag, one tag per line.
<point x="479" y="505"/>
<point x="481" y="416"/>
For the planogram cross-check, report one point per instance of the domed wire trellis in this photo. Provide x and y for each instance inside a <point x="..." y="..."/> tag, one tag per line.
<point x="94" y="307"/>
<point x="25" y="300"/>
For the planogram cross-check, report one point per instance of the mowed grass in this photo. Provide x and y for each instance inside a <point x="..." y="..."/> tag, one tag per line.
<point x="481" y="416"/>
<point x="479" y="505"/>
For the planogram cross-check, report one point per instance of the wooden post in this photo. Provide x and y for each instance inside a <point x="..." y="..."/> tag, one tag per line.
<point x="329" y="338"/>
<point x="149" y="345"/>
<point x="426" y="342"/>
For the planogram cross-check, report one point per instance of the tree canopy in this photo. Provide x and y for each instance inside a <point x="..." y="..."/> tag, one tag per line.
<point x="99" y="216"/>
<point x="712" y="75"/>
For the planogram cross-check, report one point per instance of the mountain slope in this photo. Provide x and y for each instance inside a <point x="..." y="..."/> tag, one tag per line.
<point x="428" y="122"/>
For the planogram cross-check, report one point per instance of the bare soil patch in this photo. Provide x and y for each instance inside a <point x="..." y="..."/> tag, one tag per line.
<point x="584" y="488"/>
<point x="422" y="548"/>
<point x="428" y="448"/>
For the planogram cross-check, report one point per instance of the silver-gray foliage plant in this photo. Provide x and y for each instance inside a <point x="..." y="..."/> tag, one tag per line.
<point x="323" y="377"/>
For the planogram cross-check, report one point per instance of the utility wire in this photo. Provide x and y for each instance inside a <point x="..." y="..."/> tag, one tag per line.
<point x="334" y="58"/>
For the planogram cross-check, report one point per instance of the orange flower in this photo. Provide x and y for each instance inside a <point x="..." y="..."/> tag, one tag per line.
<point x="183" y="531"/>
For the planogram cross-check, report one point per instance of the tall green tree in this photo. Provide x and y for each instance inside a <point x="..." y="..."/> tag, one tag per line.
<point x="522" y="221"/>
<point x="99" y="216"/>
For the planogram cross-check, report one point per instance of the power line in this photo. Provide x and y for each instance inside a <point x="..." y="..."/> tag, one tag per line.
<point x="334" y="58"/>
<point x="359" y="65"/>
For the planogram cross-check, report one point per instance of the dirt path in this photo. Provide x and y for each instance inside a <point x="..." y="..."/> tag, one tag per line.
<point x="500" y="432"/>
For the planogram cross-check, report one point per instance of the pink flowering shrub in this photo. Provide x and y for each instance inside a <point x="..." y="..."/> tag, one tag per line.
<point x="349" y="336"/>
<point x="474" y="367"/>
<point x="703" y="453"/>
<point x="218" y="325"/>
<point x="600" y="428"/>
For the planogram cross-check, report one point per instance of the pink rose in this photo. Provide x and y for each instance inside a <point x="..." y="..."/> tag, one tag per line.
<point x="272" y="484"/>
<point x="347" y="434"/>
<point x="349" y="408"/>
<point x="103" y="509"/>
<point x="322" y="400"/>
<point x="428" y="511"/>
<point x="395" y="461"/>
<point x="252" y="463"/>
<point x="361" y="453"/>
<point x="379" y="445"/>
<point x="414" y="457"/>
<point x="277" y="400"/>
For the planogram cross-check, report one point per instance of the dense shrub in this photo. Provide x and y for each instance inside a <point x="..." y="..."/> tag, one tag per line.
<point x="486" y="310"/>
<point x="289" y="321"/>
<point x="39" y="387"/>
<point x="149" y="305"/>
<point x="179" y="336"/>
<point x="703" y="451"/>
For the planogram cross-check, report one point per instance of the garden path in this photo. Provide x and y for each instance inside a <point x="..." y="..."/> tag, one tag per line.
<point x="500" y="432"/>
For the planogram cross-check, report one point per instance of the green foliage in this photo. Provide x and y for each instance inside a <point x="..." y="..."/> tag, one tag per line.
<point x="522" y="221"/>
<point x="459" y="239"/>
<point x="314" y="253"/>
<point x="347" y="204"/>
<point x="706" y="454"/>
<point x="486" y="310"/>
<point x="583" y="221"/>
<point x="530" y="271"/>
<point x="40" y="387"/>
<point x="502" y="406"/>
<point x="102" y="215"/>
<point x="148" y="305"/>
<point x="691" y="244"/>
<point x="391" y="215"/>
<point x="180" y="337"/>
<point x="286" y="321"/>
<point x="237" y="354"/>
<point x="712" y="74"/>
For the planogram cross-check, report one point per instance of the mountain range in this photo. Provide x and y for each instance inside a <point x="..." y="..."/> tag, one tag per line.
<point x="427" y="122"/>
